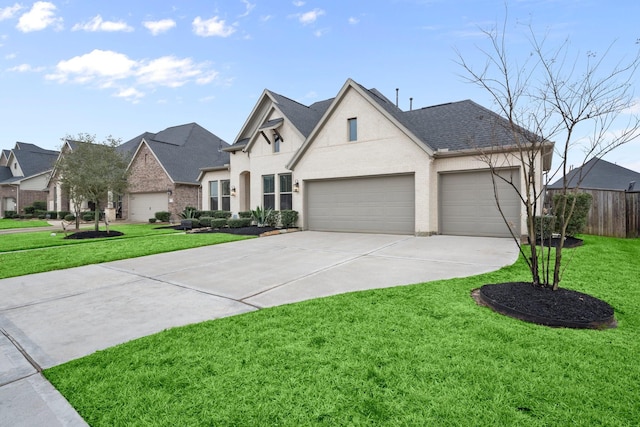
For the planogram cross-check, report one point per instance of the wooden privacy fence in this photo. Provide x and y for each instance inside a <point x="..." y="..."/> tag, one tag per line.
<point x="613" y="213"/>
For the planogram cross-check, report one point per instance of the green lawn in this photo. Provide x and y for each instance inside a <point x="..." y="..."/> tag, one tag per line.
<point x="6" y="224"/>
<point x="412" y="355"/>
<point x="28" y="253"/>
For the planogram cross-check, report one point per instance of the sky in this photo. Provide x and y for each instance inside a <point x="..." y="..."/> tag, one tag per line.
<point x="121" y="68"/>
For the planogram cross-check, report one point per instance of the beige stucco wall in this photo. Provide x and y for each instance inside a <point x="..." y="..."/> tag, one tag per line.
<point x="204" y="182"/>
<point x="381" y="148"/>
<point x="35" y="183"/>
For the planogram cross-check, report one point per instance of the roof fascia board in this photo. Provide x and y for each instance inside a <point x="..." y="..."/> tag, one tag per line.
<point x="254" y="111"/>
<point x="211" y="169"/>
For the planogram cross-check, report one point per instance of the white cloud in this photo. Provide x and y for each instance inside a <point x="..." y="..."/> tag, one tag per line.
<point x="249" y="7"/>
<point x="9" y="11"/>
<point x="173" y="72"/>
<point x="41" y="16"/>
<point x="266" y="18"/>
<point x="212" y="27"/>
<point x="25" y="68"/>
<point x="109" y="69"/>
<point x="98" y="24"/>
<point x="298" y="3"/>
<point x="353" y="21"/>
<point x="310" y="17"/>
<point x="158" y="27"/>
<point x="103" y="66"/>
<point x="130" y="94"/>
<point x="321" y="32"/>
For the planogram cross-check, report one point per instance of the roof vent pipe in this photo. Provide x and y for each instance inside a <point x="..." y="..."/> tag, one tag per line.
<point x="397" y="90"/>
<point x="410" y="104"/>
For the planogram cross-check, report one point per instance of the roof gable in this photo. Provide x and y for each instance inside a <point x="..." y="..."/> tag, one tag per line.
<point x="377" y="100"/>
<point x="31" y="159"/>
<point x="600" y="174"/>
<point x="193" y="148"/>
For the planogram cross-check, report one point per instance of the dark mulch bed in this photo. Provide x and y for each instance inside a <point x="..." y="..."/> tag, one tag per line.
<point x="544" y="306"/>
<point x="569" y="242"/>
<point x="242" y="231"/>
<point x="94" y="234"/>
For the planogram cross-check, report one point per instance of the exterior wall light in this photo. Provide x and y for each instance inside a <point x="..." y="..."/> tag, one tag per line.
<point x="296" y="186"/>
<point x="169" y="192"/>
<point x="233" y="191"/>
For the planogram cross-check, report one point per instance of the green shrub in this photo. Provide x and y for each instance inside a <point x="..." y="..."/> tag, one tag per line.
<point x="52" y="214"/>
<point x="205" y="221"/>
<point x="195" y="223"/>
<point x="88" y="216"/>
<point x="288" y="218"/>
<point x="200" y="214"/>
<point x="189" y="212"/>
<point x="239" y="222"/>
<point x="222" y="214"/>
<point x="38" y="212"/>
<point x="11" y="214"/>
<point x="40" y="206"/>
<point x="578" y="221"/>
<point x="26" y="216"/>
<point x="69" y="217"/>
<point x="29" y="210"/>
<point x="62" y="214"/>
<point x="163" y="216"/>
<point x="245" y="214"/>
<point x="218" y="222"/>
<point x="41" y="216"/>
<point x="545" y="226"/>
<point x="152" y="220"/>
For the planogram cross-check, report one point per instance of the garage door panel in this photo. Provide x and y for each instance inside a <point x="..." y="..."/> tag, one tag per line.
<point x="468" y="206"/>
<point x="145" y="205"/>
<point x="374" y="205"/>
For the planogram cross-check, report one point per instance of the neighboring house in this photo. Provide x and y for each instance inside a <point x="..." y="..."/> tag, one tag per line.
<point x="598" y="174"/>
<point x="163" y="172"/>
<point x="615" y="192"/>
<point x="58" y="200"/>
<point x="358" y="163"/>
<point x="24" y="172"/>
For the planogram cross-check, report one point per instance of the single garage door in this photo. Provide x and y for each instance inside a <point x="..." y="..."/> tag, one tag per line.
<point x="468" y="205"/>
<point x="368" y="205"/>
<point x="145" y="205"/>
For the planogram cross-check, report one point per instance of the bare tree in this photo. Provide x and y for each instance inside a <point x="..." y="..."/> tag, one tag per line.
<point x="553" y="94"/>
<point x="92" y="170"/>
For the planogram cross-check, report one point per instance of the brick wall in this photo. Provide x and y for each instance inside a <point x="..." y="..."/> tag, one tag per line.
<point x="27" y="197"/>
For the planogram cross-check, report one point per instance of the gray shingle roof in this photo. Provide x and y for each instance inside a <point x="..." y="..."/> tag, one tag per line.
<point x="184" y="150"/>
<point x="302" y="117"/>
<point x="5" y="173"/>
<point x="602" y="175"/>
<point x="32" y="159"/>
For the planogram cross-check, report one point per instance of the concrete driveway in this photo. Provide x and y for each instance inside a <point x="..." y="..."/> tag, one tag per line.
<point x="51" y="318"/>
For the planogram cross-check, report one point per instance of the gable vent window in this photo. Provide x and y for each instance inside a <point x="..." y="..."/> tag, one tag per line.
<point x="276" y="142"/>
<point x="353" y="129"/>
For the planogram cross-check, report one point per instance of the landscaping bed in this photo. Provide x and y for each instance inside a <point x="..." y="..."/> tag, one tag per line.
<point x="544" y="306"/>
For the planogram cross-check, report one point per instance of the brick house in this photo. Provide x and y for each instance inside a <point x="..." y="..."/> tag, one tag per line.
<point x="24" y="172"/>
<point x="163" y="172"/>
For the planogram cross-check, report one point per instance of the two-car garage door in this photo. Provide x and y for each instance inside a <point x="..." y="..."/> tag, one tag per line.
<point x="468" y="204"/>
<point x="382" y="204"/>
<point x="143" y="206"/>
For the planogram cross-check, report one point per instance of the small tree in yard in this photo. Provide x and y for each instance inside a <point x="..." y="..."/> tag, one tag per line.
<point x="553" y="95"/>
<point x="91" y="171"/>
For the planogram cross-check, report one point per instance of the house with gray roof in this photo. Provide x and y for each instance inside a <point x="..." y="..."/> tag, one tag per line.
<point x="598" y="174"/>
<point x="358" y="163"/>
<point x="164" y="169"/>
<point x="24" y="172"/>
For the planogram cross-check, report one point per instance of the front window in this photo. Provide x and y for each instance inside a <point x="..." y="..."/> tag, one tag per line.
<point x="226" y="195"/>
<point x="268" y="192"/>
<point x="353" y="129"/>
<point x="285" y="192"/>
<point x="213" y="195"/>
